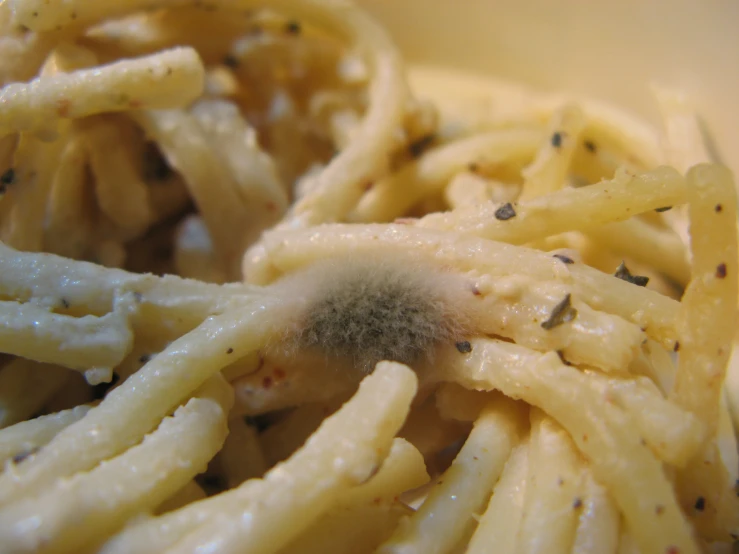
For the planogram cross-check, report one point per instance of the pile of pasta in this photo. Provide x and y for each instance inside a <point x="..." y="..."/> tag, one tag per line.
<point x="166" y="164"/>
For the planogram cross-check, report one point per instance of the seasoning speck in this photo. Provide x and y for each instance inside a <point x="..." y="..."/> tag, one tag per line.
<point x="65" y="303"/>
<point x="659" y="509"/>
<point x="719" y="208"/>
<point x="556" y="140"/>
<point x="700" y="504"/>
<point x="564" y="259"/>
<point x="144" y="358"/>
<point x="230" y="351"/>
<point x="562" y="313"/>
<point x="676" y="348"/>
<point x="590" y="146"/>
<point x="577" y="503"/>
<point x="624" y="274"/>
<point x="505" y="212"/>
<point x="720" y="271"/>
<point x="293" y="27"/>
<point x="18" y="458"/>
<point x="665" y="209"/>
<point x="464" y="347"/>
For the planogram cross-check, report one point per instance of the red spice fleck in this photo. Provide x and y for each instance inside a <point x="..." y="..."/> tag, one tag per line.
<point x="720" y="271"/>
<point x="62" y="107"/>
<point x="377" y="500"/>
<point x="267" y="382"/>
<point x="672" y="550"/>
<point x="271" y="207"/>
<point x="367" y="186"/>
<point x="279" y="374"/>
<point x="659" y="509"/>
<point x="718" y="208"/>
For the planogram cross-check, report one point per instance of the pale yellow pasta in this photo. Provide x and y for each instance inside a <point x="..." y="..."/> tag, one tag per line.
<point x="388" y="199"/>
<point x="636" y="239"/>
<point x="125" y="422"/>
<point x="442" y="519"/>
<point x="23" y="222"/>
<point x="78" y="343"/>
<point x="339" y="436"/>
<point x="23" y="439"/>
<point x="598" y="524"/>
<point x="572" y="209"/>
<point x="644" y="495"/>
<point x="553" y="489"/>
<point x="265" y="289"/>
<point x="711" y="296"/>
<point x="138" y="479"/>
<point x="242" y="455"/>
<point x="499" y="526"/>
<point x="70" y="213"/>
<point x="548" y="171"/>
<point x="120" y="192"/>
<point x="166" y="80"/>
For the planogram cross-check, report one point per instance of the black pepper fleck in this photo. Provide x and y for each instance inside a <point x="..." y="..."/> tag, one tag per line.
<point x="464" y="347"/>
<point x="624" y="274"/>
<point x="293" y="27"/>
<point x="577" y="503"/>
<point x="564" y="259"/>
<point x="562" y="313"/>
<point x="230" y="351"/>
<point x="676" y="348"/>
<point x="700" y="504"/>
<point x="590" y="146"/>
<point x="719" y="208"/>
<point x="144" y="358"/>
<point x="18" y="458"/>
<point x="65" y="303"/>
<point x="556" y="140"/>
<point x="665" y="209"/>
<point x="505" y="212"/>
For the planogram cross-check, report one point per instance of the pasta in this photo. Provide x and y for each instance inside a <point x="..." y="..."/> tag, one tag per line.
<point x="265" y="290"/>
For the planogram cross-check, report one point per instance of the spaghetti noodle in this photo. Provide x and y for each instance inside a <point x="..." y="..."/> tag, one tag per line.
<point x="263" y="291"/>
